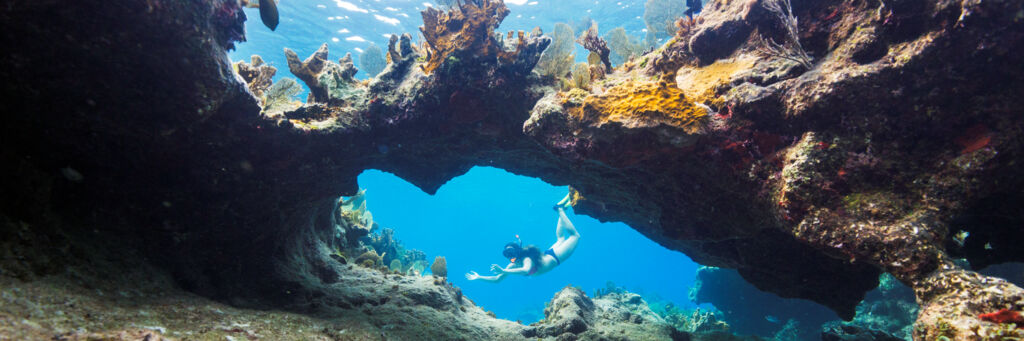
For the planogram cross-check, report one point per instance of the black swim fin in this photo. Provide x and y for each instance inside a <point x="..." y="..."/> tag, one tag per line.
<point x="268" y="13"/>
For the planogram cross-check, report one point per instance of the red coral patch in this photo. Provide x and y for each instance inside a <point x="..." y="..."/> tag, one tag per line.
<point x="974" y="138"/>
<point x="1002" y="316"/>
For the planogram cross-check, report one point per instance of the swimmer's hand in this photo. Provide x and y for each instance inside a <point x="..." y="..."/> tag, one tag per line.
<point x="472" y="275"/>
<point x="497" y="269"/>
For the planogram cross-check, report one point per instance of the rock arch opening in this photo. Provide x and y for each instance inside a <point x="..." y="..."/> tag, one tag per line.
<point x="472" y="216"/>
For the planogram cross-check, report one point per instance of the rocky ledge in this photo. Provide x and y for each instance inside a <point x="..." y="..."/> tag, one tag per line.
<point x="810" y="155"/>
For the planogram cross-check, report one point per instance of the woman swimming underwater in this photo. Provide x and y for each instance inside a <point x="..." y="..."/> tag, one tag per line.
<point x="529" y="260"/>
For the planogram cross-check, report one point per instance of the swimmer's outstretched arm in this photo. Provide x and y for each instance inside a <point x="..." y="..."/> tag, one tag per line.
<point x="472" y="275"/>
<point x="527" y="263"/>
<point x="525" y="270"/>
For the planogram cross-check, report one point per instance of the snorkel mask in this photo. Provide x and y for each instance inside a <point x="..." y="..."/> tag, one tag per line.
<point x="513" y="249"/>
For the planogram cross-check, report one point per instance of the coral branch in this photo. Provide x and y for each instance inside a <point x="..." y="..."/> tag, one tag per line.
<point x="466" y="27"/>
<point x="790" y="49"/>
<point x="308" y="70"/>
<point x="327" y="81"/>
<point x="257" y="75"/>
<point x="593" y="43"/>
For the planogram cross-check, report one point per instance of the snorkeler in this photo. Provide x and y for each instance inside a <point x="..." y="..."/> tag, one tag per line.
<point x="529" y="260"/>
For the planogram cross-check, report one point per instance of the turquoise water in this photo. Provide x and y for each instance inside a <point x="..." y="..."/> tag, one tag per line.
<point x="471" y="218"/>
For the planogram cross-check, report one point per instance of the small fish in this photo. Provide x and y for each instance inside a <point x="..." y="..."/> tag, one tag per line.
<point x="960" y="237"/>
<point x="71" y="174"/>
<point x="268" y="13"/>
<point x="771" y="318"/>
<point x="988" y="246"/>
<point x="693" y="7"/>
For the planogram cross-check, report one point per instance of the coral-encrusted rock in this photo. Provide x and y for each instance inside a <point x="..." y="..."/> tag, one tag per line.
<point x="309" y="71"/>
<point x="571" y="315"/>
<point x="840" y="332"/>
<point x="328" y="82"/>
<point x="570" y="311"/>
<point x="465" y="32"/>
<point x="465" y="29"/>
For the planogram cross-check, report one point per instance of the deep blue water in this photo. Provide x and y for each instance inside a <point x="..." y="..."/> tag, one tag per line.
<point x="471" y="218"/>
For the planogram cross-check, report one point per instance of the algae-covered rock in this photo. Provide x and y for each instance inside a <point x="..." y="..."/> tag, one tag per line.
<point x="572" y="315"/>
<point x="369" y="259"/>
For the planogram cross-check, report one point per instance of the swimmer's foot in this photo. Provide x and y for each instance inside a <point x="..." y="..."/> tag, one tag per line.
<point x="564" y="203"/>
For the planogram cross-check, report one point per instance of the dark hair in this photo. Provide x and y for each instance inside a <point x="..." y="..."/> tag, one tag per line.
<point x="514" y="250"/>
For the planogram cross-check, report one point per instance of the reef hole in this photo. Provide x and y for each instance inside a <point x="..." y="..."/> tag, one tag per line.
<point x="471" y="217"/>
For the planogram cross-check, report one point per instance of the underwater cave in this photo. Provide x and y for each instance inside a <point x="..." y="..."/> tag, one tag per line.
<point x="848" y="175"/>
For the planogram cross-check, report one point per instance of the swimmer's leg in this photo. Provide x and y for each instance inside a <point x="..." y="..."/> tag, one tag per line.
<point x="565" y="229"/>
<point x="567" y="235"/>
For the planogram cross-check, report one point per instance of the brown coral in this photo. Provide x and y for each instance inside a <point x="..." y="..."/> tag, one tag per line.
<point x="466" y="27"/>
<point x="258" y="76"/>
<point x="594" y="43"/>
<point x="328" y="82"/>
<point x="308" y="71"/>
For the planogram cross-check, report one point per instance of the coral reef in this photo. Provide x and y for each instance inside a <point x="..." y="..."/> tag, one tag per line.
<point x="579" y="78"/>
<point x="808" y="181"/>
<point x="328" y="82"/>
<point x="357" y="234"/>
<point x="309" y="71"/>
<point x="841" y="332"/>
<point x="622" y="46"/>
<point x="558" y="58"/>
<point x="258" y="75"/>
<point x="660" y="17"/>
<point x="616" y="315"/>
<point x="464" y="32"/>
<point x="281" y="97"/>
<point x="790" y="48"/>
<point x="593" y="43"/>
<point x="372" y="60"/>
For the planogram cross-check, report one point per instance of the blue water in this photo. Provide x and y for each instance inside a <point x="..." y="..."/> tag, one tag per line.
<point x="345" y="27"/>
<point x="471" y="218"/>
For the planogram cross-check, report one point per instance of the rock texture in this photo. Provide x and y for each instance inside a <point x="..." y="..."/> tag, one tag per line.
<point x="126" y="118"/>
<point x="571" y="315"/>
